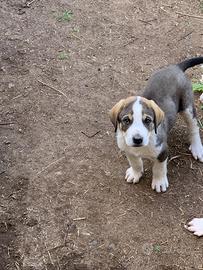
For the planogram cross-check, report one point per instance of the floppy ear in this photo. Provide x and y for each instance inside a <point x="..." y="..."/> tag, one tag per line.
<point x="158" y="114"/>
<point x="114" y="112"/>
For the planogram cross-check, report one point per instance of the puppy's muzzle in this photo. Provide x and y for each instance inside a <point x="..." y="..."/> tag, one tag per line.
<point x="137" y="141"/>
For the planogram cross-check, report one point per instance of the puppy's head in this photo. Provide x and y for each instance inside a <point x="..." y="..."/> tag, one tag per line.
<point x="136" y="118"/>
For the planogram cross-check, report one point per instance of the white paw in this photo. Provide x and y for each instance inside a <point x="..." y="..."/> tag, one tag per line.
<point x="132" y="176"/>
<point x="197" y="151"/>
<point x="160" y="185"/>
<point x="195" y="226"/>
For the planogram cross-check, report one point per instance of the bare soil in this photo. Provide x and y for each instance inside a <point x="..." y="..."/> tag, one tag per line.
<point x="64" y="203"/>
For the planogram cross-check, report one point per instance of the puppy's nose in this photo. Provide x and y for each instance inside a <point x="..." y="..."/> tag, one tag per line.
<point x="137" y="140"/>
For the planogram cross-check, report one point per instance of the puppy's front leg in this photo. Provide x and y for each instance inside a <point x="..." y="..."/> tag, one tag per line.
<point x="160" y="180"/>
<point x="134" y="173"/>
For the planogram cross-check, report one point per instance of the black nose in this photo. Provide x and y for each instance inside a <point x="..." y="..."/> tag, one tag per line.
<point x="137" y="140"/>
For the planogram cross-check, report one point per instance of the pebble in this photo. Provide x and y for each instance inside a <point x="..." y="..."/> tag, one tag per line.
<point x="10" y="85"/>
<point x="93" y="243"/>
<point x="31" y="222"/>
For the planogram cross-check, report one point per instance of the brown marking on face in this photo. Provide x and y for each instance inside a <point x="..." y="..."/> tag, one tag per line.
<point x="121" y="106"/>
<point x="148" y="118"/>
<point x="123" y="115"/>
<point x="130" y="115"/>
<point x="147" y="114"/>
<point x="158" y="113"/>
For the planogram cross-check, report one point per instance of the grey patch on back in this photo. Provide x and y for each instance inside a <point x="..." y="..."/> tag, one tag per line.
<point x="171" y="90"/>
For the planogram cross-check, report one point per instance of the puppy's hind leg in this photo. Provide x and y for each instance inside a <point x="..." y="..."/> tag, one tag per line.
<point x="134" y="173"/>
<point x="196" y="147"/>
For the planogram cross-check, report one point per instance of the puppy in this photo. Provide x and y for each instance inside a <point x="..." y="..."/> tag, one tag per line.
<point x="142" y="123"/>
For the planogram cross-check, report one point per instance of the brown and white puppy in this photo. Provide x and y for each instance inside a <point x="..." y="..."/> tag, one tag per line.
<point x="142" y="122"/>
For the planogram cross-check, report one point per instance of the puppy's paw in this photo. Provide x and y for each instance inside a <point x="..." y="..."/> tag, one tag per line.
<point x="196" y="226"/>
<point x="131" y="176"/>
<point x="160" y="185"/>
<point x="197" y="151"/>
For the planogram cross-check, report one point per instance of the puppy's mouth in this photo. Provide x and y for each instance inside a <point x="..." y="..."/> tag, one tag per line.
<point x="137" y="145"/>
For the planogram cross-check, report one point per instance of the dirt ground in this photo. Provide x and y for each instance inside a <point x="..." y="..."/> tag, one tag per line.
<point x="64" y="203"/>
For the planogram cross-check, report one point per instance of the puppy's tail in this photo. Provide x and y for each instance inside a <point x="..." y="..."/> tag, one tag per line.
<point x="190" y="63"/>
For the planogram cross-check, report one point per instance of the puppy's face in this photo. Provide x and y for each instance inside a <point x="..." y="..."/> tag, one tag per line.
<point x="136" y="118"/>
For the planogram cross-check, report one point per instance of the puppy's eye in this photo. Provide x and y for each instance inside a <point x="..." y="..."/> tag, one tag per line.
<point x="147" y="120"/>
<point x="125" y="120"/>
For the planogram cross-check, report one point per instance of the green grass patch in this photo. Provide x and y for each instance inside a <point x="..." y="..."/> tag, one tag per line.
<point x="76" y="30"/>
<point x="201" y="6"/>
<point x="157" y="248"/>
<point x="63" y="56"/>
<point x="200" y="123"/>
<point x="66" y="16"/>
<point x="197" y="87"/>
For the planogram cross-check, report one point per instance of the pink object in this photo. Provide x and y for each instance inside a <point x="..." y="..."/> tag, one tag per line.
<point x="201" y="98"/>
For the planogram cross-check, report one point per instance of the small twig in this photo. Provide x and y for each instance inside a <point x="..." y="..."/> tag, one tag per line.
<point x="45" y="264"/>
<point x="76" y="36"/>
<point x="83" y="233"/>
<point x="165" y="5"/>
<point x="121" y="215"/>
<point x="17" y="96"/>
<point x="30" y="3"/>
<point x="49" y="165"/>
<point x="185" y="154"/>
<point x="78" y="219"/>
<point x="189" y="15"/>
<point x="50" y="86"/>
<point x="100" y="246"/>
<point x="17" y="266"/>
<point x="135" y="211"/>
<point x="165" y="10"/>
<point x="59" y="267"/>
<point x="174" y="158"/>
<point x="185" y="36"/>
<point x="6" y="124"/>
<point x="90" y="136"/>
<point x="147" y="22"/>
<point x="181" y="210"/>
<point x="199" y="186"/>
<point x="113" y="82"/>
<point x="50" y="258"/>
<point x="57" y="247"/>
<point x="130" y="42"/>
<point x="6" y="226"/>
<point x="191" y="167"/>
